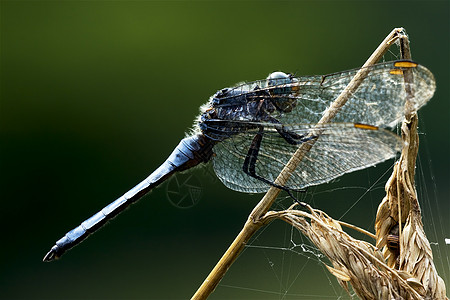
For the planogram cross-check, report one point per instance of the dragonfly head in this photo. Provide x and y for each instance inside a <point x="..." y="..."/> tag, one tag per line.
<point x="281" y="88"/>
<point x="276" y="78"/>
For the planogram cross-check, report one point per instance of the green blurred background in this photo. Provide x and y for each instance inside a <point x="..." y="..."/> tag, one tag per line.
<point x="96" y="94"/>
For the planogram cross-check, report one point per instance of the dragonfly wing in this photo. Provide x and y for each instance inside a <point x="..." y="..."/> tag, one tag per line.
<point x="379" y="100"/>
<point x="228" y="161"/>
<point x="340" y="148"/>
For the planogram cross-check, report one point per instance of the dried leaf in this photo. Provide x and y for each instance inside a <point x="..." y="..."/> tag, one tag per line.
<point x="338" y="273"/>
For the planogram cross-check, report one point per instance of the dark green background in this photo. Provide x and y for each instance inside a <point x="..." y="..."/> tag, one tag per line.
<point x="95" y="94"/>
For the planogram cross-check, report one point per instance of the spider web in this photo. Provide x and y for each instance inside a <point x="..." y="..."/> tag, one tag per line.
<point x="434" y="210"/>
<point x="280" y="263"/>
<point x="284" y="264"/>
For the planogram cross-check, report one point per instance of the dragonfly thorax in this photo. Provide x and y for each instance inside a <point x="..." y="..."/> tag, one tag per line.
<point x="239" y="108"/>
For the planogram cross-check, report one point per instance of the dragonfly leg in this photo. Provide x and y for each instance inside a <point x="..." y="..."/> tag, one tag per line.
<point x="249" y="166"/>
<point x="289" y="136"/>
<point x="294" y="138"/>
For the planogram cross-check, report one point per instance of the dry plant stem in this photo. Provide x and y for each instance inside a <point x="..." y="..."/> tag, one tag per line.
<point x="400" y="206"/>
<point x="254" y="221"/>
<point x="357" y="229"/>
<point x="415" y="256"/>
<point x="411" y="154"/>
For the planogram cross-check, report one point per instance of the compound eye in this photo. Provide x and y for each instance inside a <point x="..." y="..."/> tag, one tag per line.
<point x="277" y="78"/>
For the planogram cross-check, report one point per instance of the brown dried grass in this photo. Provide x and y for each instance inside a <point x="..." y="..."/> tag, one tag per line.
<point x="400" y="265"/>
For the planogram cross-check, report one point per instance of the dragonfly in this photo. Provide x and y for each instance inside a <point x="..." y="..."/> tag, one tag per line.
<point x="251" y="130"/>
